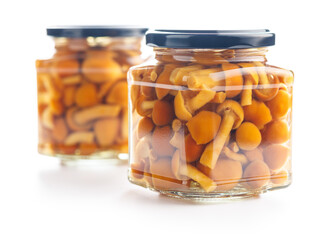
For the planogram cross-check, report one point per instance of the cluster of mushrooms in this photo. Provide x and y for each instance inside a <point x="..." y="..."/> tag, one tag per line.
<point x="210" y="125"/>
<point x="82" y="96"/>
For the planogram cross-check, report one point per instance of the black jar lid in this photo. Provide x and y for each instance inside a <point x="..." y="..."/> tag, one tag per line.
<point x="95" y="31"/>
<point x="206" y="39"/>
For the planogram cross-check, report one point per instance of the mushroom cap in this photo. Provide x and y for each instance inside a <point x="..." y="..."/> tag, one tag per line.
<point x="226" y="173"/>
<point x="106" y="131"/>
<point x="163" y="177"/>
<point x="162" y="113"/>
<point x="161" y="141"/>
<point x="280" y="104"/>
<point x="248" y="137"/>
<point x="257" y="113"/>
<point x="164" y="78"/>
<point x="276" y="132"/>
<point x="60" y="130"/>
<point x="101" y="69"/>
<point x="254" y="155"/>
<point x="231" y="106"/>
<point x="275" y="156"/>
<point x="72" y="124"/>
<point x="204" y="126"/>
<point x="193" y="150"/>
<point x="86" y="95"/>
<point x="256" y="174"/>
<point x="250" y="72"/>
<point x="265" y="92"/>
<point x="142" y="108"/>
<point x="118" y="94"/>
<point x="180" y="109"/>
<point x="65" y="67"/>
<point x="145" y="126"/>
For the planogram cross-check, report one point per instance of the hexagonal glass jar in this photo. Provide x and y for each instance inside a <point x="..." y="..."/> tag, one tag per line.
<point x="82" y="92"/>
<point x="210" y="117"/>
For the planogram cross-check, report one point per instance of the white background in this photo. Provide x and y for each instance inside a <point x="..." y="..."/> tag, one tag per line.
<point x="39" y="199"/>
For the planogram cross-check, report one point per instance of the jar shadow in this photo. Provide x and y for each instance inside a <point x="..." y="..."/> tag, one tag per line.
<point x="83" y="181"/>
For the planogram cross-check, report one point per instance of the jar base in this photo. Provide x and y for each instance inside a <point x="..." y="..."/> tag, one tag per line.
<point x="110" y="157"/>
<point x="198" y="195"/>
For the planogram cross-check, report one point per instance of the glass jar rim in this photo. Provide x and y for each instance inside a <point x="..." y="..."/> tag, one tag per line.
<point x="210" y="39"/>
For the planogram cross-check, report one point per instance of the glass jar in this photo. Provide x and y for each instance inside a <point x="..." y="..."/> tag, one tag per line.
<point x="210" y="117"/>
<point x="83" y="92"/>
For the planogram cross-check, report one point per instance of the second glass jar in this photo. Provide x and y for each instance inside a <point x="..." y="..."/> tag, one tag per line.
<point x="82" y="92"/>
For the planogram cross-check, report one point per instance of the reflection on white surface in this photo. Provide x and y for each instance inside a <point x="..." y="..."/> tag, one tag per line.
<point x="90" y="181"/>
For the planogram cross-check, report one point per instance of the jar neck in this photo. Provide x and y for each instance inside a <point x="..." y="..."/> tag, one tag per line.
<point x="106" y="43"/>
<point x="210" y="56"/>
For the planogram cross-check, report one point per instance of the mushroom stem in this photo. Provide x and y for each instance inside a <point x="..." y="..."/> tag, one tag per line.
<point x="79" y="137"/>
<point x="205" y="182"/>
<point x="177" y="140"/>
<point x="176" y="164"/>
<point x="99" y="111"/>
<point x="250" y="78"/>
<point x="214" y="148"/>
<point x="246" y="97"/>
<point x="180" y="110"/>
<point x="263" y="78"/>
<point x="203" y="97"/>
<point x="235" y="156"/>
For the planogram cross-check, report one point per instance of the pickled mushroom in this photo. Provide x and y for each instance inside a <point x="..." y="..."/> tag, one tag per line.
<point x="235" y="156"/>
<point x="268" y="84"/>
<point x="254" y="155"/>
<point x="179" y="107"/>
<point x="144" y="106"/>
<point x="276" y="132"/>
<point x="204" y="96"/>
<point x="233" y="79"/>
<point x="248" y="137"/>
<point x="257" y="113"/>
<point x="179" y="75"/>
<point x="250" y="79"/>
<point x="106" y="131"/>
<point x="226" y="174"/>
<point x="280" y="104"/>
<point x="204" y="78"/>
<point x="204" y="126"/>
<point x="275" y="156"/>
<point x="101" y="69"/>
<point x="193" y="150"/>
<point x="73" y="125"/>
<point x="164" y="79"/>
<point x="162" y="113"/>
<point x="59" y="131"/>
<point x="86" y="95"/>
<point x="232" y="118"/>
<point x="86" y="115"/>
<point x="79" y="137"/>
<point x="162" y="175"/>
<point x="256" y="174"/>
<point x="65" y="67"/>
<point x="160" y="141"/>
<point x="118" y="94"/>
<point x="145" y="126"/>
<point x="192" y="172"/>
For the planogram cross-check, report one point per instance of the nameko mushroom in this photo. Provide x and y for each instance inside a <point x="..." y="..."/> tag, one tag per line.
<point x="232" y="118"/>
